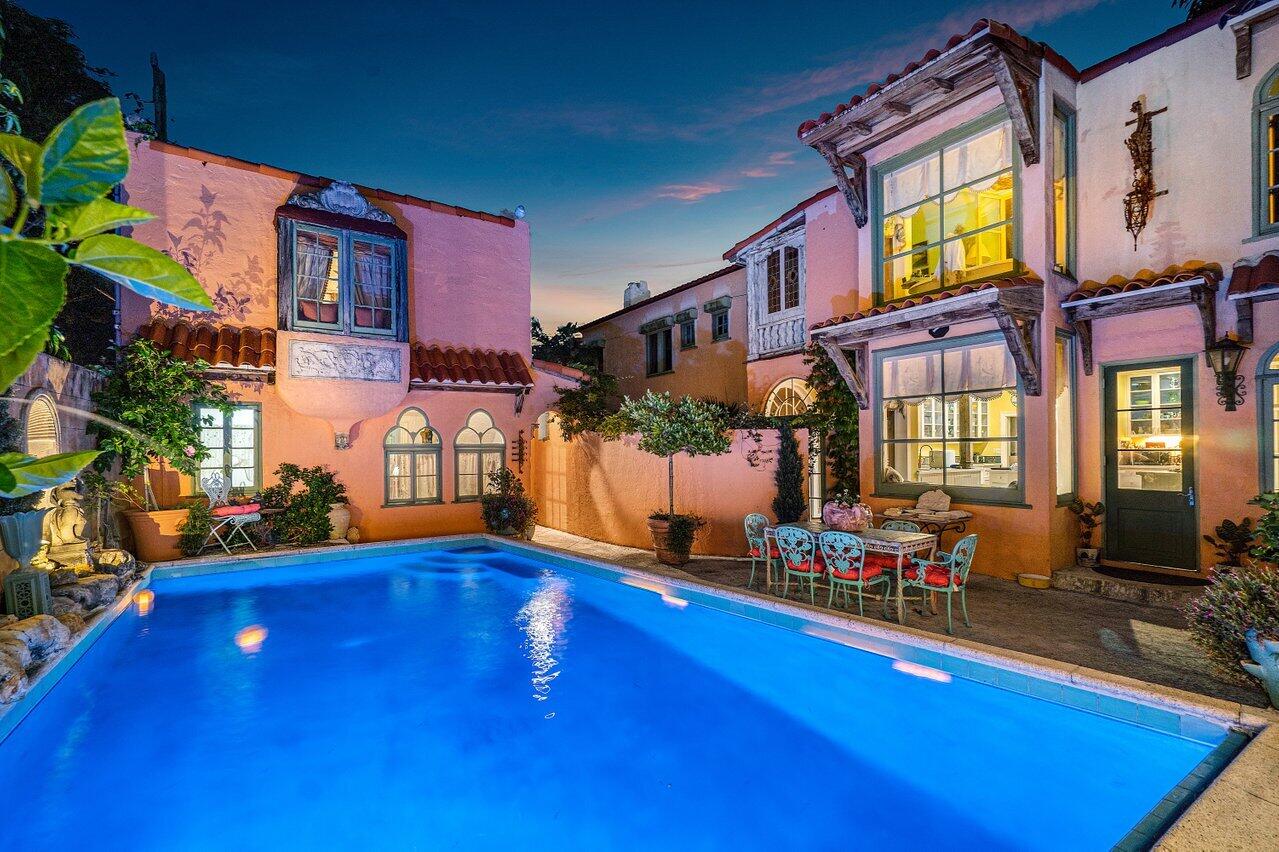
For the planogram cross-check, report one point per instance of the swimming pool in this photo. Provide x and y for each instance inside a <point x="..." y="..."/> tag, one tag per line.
<point x="473" y="697"/>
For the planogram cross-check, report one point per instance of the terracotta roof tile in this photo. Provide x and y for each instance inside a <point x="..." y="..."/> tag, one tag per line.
<point x="1255" y="273"/>
<point x="1145" y="279"/>
<point x="439" y="365"/>
<point x="220" y="346"/>
<point x="929" y="298"/>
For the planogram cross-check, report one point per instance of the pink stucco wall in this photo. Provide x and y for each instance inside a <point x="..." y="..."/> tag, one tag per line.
<point x="605" y="490"/>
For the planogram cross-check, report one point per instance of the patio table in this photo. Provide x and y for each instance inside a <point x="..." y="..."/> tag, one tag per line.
<point x="896" y="543"/>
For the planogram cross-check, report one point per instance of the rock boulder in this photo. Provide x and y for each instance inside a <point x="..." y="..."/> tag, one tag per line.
<point x="118" y="563"/>
<point x="90" y="592"/>
<point x="43" y="635"/>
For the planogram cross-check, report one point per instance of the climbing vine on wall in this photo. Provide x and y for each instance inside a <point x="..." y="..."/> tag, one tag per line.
<point x="834" y="415"/>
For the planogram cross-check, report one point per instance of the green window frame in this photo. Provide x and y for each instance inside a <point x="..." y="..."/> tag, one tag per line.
<point x="1014" y="445"/>
<point x="234" y="442"/>
<point x="412" y="465"/>
<point x="363" y="301"/>
<point x="938" y="147"/>
<point x="479" y="448"/>
<point x="659" y="357"/>
<point x="1268" y="419"/>
<point x="1265" y="157"/>
<point x="688" y="334"/>
<point x="1067" y="393"/>
<point x="719" y="326"/>
<point x="1065" y="190"/>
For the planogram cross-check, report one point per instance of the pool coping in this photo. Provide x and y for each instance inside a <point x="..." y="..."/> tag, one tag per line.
<point x="1247" y="758"/>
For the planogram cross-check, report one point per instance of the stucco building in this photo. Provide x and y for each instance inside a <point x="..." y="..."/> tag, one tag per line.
<point x="381" y="334"/>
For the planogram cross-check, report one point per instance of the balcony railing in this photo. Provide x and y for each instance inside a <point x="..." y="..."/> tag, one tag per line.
<point x="778" y="335"/>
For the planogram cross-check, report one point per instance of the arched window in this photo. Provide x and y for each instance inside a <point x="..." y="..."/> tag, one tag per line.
<point x="1268" y="409"/>
<point x="412" y="450"/>
<point x="42" y="426"/>
<point x="478" y="450"/>
<point x="1266" y="154"/>
<point x="788" y="398"/>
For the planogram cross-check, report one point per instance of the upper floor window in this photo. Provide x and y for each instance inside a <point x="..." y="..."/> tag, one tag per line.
<point x="719" y="325"/>
<point x="949" y="416"/>
<point x="343" y="265"/>
<point x="479" y="449"/>
<point x="412" y="460"/>
<point x="234" y="444"/>
<point x="657" y="352"/>
<point x="783" y="279"/>
<point x="946" y="214"/>
<point x="1266" y="156"/>
<point x="1063" y="191"/>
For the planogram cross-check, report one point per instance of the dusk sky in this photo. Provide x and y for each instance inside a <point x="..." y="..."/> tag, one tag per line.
<point x="644" y="140"/>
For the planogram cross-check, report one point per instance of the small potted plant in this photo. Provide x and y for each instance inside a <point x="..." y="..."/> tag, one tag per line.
<point x="506" y="509"/>
<point x="1090" y="516"/>
<point x="1232" y="541"/>
<point x="845" y="511"/>
<point x="669" y="427"/>
<point x="152" y="394"/>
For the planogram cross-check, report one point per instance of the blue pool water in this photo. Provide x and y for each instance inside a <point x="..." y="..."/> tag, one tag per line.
<point x="479" y="699"/>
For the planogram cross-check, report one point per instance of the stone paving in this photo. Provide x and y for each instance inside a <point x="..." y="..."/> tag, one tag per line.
<point x="1142" y="642"/>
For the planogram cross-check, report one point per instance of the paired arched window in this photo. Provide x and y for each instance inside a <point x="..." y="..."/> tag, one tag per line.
<point x="1268" y="407"/>
<point x="788" y="398"/>
<point x="478" y="450"/>
<point x="1266" y="158"/>
<point x="412" y="452"/>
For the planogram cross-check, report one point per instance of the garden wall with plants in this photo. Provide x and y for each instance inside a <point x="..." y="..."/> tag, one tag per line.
<point x="605" y="490"/>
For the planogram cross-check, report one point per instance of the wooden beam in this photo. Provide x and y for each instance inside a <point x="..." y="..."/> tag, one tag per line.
<point x="1020" y="332"/>
<point x="1083" y="330"/>
<point x="897" y="107"/>
<point x="944" y="84"/>
<point x="1243" y="51"/>
<point x="854" y="375"/>
<point x="861" y="128"/>
<point x="853" y="188"/>
<point x="1205" y="299"/>
<point x="1243" y="320"/>
<point x="1022" y="100"/>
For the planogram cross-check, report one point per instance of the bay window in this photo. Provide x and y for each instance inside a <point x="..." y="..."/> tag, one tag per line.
<point x="342" y="281"/>
<point x="949" y="417"/>
<point x="946" y="215"/>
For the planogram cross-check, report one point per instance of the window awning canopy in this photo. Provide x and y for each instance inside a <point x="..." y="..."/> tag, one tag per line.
<point x="1254" y="279"/>
<point x="1192" y="283"/>
<point x="1016" y="305"/>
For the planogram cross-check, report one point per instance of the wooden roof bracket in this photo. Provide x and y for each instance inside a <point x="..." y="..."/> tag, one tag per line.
<point x="1205" y="299"/>
<point x="854" y="373"/>
<point x="1021" y="332"/>
<point x="852" y="187"/>
<point x="1083" y="330"/>
<point x="1021" y="96"/>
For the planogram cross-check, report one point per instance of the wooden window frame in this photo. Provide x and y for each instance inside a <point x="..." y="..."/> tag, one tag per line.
<point x="656" y="362"/>
<point x="1066" y="115"/>
<point x="716" y="336"/>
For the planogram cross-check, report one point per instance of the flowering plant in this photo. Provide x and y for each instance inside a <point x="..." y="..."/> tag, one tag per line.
<point x="1238" y="599"/>
<point x="845" y="497"/>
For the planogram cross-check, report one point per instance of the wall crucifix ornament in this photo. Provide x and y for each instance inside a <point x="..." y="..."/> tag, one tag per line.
<point x="1142" y="149"/>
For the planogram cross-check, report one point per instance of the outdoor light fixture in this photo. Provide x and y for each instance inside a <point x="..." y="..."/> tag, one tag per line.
<point x="1224" y="357"/>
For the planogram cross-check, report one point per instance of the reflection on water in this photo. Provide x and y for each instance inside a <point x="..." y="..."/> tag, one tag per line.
<point x="542" y="620"/>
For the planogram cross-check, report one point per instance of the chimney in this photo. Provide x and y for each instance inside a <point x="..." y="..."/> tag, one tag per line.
<point x="636" y="291"/>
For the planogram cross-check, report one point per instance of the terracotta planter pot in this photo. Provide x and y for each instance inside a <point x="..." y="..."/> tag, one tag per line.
<point x="660" y="530"/>
<point x="155" y="534"/>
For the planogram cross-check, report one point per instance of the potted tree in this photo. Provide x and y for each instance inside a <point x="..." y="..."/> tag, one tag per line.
<point x="1090" y="515"/>
<point x="506" y="508"/>
<point x="151" y="394"/>
<point x="668" y="427"/>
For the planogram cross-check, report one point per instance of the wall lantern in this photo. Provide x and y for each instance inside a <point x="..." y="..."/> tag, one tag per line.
<point x="1224" y="357"/>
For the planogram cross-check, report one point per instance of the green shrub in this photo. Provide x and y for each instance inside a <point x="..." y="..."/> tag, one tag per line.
<point x="789" y="504"/>
<point x="1266" y="544"/>
<point x="1237" y="599"/>
<point x="508" y="507"/>
<point x="194" y="531"/>
<point x="304" y="518"/>
<point x="834" y="417"/>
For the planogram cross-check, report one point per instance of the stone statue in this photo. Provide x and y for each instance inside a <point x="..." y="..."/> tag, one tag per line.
<point x="66" y="528"/>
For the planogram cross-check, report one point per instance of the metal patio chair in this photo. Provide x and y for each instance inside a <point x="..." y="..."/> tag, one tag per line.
<point x="799" y="558"/>
<point x="844" y="557"/>
<point x="947" y="574"/>
<point x="218" y="487"/>
<point x="759" y="548"/>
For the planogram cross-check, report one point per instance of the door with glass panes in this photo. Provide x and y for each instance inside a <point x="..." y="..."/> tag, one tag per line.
<point x="1150" y="465"/>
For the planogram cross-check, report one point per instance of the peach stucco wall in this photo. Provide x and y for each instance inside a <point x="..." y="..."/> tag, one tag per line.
<point x="712" y="370"/>
<point x="468" y="280"/>
<point x="606" y="490"/>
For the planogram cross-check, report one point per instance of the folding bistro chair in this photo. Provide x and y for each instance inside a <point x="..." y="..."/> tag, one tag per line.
<point x="227" y="517"/>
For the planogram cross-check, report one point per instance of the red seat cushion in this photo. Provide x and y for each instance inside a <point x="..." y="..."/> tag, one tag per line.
<point x="807" y="567"/>
<point x="869" y="572"/>
<point x="883" y="561"/>
<point x="935" y="574"/>
<point x="226" y="511"/>
<point x="772" y="552"/>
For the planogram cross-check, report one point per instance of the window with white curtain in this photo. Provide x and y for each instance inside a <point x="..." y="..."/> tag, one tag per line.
<point x="412" y="460"/>
<point x="233" y="440"/>
<point x="478" y="450"/>
<point x="345" y="281"/>
<point x="948" y="417"/>
<point x="946" y="216"/>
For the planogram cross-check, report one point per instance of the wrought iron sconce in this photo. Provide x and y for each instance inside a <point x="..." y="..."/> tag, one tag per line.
<point x="1224" y="357"/>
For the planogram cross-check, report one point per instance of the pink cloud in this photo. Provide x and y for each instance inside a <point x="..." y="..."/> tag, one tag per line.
<point x="759" y="173"/>
<point x="692" y="192"/>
